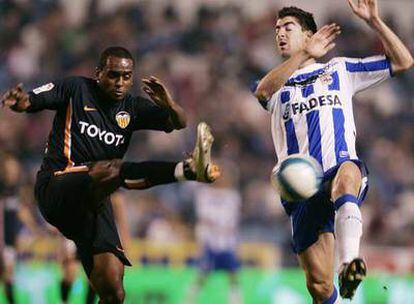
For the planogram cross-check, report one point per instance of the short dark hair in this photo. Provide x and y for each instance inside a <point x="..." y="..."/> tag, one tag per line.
<point x="114" y="51"/>
<point x="305" y="19"/>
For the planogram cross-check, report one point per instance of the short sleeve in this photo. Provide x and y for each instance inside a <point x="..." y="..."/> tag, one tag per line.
<point x="366" y="72"/>
<point x="149" y="116"/>
<point x="268" y="104"/>
<point x="53" y="95"/>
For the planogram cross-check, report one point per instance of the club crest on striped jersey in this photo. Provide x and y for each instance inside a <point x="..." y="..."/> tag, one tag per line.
<point x="326" y="78"/>
<point x="123" y="118"/>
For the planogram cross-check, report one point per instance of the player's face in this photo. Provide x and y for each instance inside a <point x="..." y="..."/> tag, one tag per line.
<point x="290" y="37"/>
<point x="116" y="78"/>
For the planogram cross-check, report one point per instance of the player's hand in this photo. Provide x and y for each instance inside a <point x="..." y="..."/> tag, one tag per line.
<point x="322" y="41"/>
<point x="157" y="91"/>
<point x="16" y="99"/>
<point x="367" y="10"/>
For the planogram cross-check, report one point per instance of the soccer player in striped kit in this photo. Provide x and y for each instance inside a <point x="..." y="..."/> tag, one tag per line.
<point x="217" y="211"/>
<point x="311" y="113"/>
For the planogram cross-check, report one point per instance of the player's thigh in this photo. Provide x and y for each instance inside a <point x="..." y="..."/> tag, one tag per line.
<point x="107" y="275"/>
<point x="347" y="180"/>
<point x="65" y="196"/>
<point x="318" y="260"/>
<point x="99" y="235"/>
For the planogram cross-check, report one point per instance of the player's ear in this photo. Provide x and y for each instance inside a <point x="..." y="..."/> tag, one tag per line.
<point x="98" y="73"/>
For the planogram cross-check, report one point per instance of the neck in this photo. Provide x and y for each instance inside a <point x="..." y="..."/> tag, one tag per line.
<point x="105" y="96"/>
<point x="307" y="62"/>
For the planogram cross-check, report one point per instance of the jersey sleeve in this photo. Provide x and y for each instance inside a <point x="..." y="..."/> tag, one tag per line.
<point x="366" y="72"/>
<point x="268" y="104"/>
<point x="149" y="116"/>
<point x="53" y="95"/>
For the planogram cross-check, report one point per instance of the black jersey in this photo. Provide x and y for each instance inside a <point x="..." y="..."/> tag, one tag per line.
<point x="89" y="127"/>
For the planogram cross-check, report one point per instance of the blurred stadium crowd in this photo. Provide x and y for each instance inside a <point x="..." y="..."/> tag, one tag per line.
<point x="208" y="60"/>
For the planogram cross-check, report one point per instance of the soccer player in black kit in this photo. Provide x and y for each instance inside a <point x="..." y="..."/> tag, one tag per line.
<point x="82" y="166"/>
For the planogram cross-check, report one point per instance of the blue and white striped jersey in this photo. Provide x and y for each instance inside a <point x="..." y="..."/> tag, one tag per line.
<point x="218" y="213"/>
<point x="312" y="113"/>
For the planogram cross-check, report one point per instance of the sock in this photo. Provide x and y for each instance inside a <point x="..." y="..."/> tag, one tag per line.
<point x="179" y="171"/>
<point x="147" y="174"/>
<point x="9" y="292"/>
<point x="64" y="290"/>
<point x="235" y="295"/>
<point x="192" y="293"/>
<point x="184" y="172"/>
<point x="90" y="297"/>
<point x="333" y="299"/>
<point x="348" y="227"/>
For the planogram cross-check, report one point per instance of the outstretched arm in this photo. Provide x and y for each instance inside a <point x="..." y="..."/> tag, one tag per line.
<point x="51" y="96"/>
<point x="161" y="97"/>
<point x="318" y="45"/>
<point x="400" y="57"/>
<point x="16" y="99"/>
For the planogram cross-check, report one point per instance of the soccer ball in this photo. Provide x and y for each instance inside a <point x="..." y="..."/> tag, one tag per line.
<point x="297" y="178"/>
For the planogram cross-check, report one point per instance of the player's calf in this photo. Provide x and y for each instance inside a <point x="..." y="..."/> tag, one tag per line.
<point x="197" y="167"/>
<point x="348" y="227"/>
<point x="320" y="290"/>
<point x="152" y="173"/>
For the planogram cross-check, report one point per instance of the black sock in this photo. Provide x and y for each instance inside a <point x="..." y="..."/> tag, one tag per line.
<point x="90" y="296"/>
<point x="64" y="290"/>
<point x="9" y="292"/>
<point x="147" y="174"/>
<point x="189" y="174"/>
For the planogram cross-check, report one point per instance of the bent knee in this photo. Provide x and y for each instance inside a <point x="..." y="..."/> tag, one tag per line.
<point x="105" y="169"/>
<point x="347" y="180"/>
<point x="320" y="290"/>
<point x="110" y="291"/>
<point x="113" y="296"/>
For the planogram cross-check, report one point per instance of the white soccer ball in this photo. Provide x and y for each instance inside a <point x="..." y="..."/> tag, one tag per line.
<point x="297" y="178"/>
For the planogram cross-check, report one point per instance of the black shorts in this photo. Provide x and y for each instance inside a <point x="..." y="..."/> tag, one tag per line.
<point x="64" y="202"/>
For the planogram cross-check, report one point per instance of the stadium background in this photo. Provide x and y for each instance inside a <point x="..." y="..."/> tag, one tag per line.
<point x="208" y="53"/>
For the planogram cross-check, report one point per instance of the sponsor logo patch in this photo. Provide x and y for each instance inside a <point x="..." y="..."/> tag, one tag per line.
<point x="94" y="131"/>
<point x="44" y="88"/>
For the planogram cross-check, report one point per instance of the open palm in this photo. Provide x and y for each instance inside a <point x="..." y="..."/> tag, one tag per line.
<point x="157" y="91"/>
<point x="16" y="99"/>
<point x="322" y="41"/>
<point x="365" y="9"/>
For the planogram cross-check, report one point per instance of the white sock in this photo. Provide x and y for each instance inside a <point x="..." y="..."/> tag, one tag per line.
<point x="348" y="231"/>
<point x="235" y="296"/>
<point x="334" y="298"/>
<point x="192" y="293"/>
<point x="179" y="172"/>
